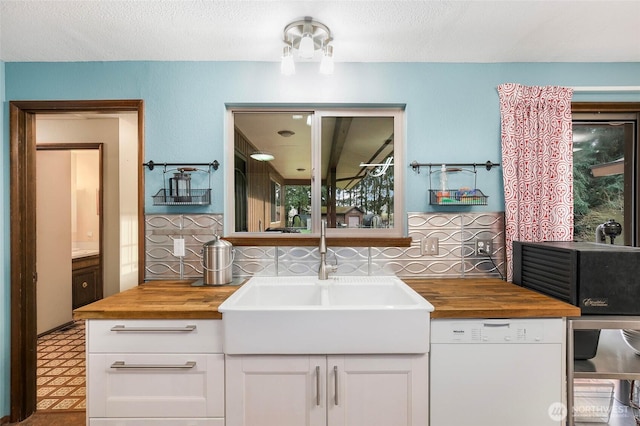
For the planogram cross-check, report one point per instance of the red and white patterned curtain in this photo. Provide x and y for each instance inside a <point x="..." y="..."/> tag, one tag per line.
<point x="537" y="164"/>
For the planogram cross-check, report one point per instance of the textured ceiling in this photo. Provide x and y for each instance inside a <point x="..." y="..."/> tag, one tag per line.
<point x="364" y="31"/>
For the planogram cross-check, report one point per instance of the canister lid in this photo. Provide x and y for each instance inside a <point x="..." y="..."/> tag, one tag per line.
<point x="217" y="242"/>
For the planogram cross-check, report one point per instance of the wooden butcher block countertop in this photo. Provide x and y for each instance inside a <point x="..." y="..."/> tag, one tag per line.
<point x="487" y="298"/>
<point x="452" y="298"/>
<point x="160" y="300"/>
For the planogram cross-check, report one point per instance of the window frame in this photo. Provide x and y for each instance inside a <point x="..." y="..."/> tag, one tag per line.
<point x="602" y="111"/>
<point x="395" y="234"/>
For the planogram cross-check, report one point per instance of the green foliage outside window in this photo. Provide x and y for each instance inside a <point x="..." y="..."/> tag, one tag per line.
<point x="596" y="199"/>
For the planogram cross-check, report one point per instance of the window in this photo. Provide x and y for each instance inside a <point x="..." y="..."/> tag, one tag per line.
<point x="276" y="203"/>
<point x="605" y="154"/>
<point x="332" y="165"/>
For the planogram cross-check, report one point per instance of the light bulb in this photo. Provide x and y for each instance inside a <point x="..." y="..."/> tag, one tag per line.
<point x="306" y="46"/>
<point x="326" y="65"/>
<point x="287" y="67"/>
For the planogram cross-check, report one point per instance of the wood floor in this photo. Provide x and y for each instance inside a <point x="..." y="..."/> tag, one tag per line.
<point x="75" y="418"/>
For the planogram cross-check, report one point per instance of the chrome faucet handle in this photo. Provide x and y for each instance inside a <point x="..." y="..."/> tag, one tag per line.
<point x="334" y="267"/>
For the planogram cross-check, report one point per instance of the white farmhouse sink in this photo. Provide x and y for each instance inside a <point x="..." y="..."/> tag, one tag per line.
<point x="341" y="315"/>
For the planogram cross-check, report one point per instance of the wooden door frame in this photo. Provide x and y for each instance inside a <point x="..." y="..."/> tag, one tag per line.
<point x="22" y="147"/>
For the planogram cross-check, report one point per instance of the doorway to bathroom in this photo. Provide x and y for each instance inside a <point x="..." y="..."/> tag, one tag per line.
<point x="69" y="217"/>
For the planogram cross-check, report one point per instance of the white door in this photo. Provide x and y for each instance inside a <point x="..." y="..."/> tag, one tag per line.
<point x="378" y="390"/>
<point x="276" y="390"/>
<point x="53" y="239"/>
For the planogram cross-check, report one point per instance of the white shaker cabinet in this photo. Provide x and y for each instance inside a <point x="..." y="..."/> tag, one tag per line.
<point x="332" y="390"/>
<point x="155" y="372"/>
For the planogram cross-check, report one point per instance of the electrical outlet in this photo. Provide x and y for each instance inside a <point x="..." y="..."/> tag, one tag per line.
<point x="429" y="246"/>
<point x="484" y="247"/>
<point x="178" y="247"/>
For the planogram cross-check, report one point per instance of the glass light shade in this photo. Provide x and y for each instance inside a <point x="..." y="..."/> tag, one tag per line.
<point x="287" y="67"/>
<point x="262" y="156"/>
<point x="326" y="65"/>
<point x="306" y="47"/>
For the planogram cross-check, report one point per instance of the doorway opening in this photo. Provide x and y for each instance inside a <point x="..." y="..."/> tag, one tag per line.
<point x="69" y="216"/>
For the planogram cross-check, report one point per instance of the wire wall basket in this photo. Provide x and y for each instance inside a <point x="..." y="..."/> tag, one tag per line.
<point x="178" y="192"/>
<point x="460" y="197"/>
<point x="196" y="197"/>
<point x="463" y="196"/>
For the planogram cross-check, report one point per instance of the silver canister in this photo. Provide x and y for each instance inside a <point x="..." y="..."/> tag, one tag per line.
<point x="217" y="262"/>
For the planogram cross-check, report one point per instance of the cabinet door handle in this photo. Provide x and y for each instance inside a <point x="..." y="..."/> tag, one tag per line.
<point x="186" y="328"/>
<point x="85" y="284"/>
<point x="335" y="383"/>
<point x="318" y="385"/>
<point x="123" y="365"/>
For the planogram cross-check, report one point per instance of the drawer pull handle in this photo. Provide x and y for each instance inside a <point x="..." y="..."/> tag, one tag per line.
<point x="335" y="389"/>
<point x="187" y="328"/>
<point x="84" y="284"/>
<point x="318" y="385"/>
<point x="122" y="364"/>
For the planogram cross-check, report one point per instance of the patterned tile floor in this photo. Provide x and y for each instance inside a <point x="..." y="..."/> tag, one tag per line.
<point x="61" y="374"/>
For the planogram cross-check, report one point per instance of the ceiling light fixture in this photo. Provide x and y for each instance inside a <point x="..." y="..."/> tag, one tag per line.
<point x="307" y="36"/>
<point x="286" y="133"/>
<point x="262" y="156"/>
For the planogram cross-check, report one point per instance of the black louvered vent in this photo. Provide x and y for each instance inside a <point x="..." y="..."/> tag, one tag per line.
<point x="548" y="271"/>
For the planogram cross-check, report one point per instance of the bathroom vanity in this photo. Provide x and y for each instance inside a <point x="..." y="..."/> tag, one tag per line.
<point x="86" y="276"/>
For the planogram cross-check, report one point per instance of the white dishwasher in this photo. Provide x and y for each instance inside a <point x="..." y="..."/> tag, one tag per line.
<point x="498" y="372"/>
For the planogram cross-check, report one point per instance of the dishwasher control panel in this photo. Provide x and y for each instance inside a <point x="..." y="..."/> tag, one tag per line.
<point x="490" y="331"/>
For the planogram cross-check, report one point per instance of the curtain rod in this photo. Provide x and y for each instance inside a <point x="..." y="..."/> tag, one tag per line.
<point x="606" y="88"/>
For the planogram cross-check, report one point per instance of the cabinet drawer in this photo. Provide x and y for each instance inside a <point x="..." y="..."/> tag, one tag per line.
<point x="155" y="385"/>
<point x="156" y="422"/>
<point x="154" y="336"/>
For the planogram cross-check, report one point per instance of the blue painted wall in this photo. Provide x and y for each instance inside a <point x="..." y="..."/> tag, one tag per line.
<point x="452" y="112"/>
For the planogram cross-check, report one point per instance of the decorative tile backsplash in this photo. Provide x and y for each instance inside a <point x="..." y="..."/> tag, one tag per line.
<point x="162" y="230"/>
<point x="456" y="235"/>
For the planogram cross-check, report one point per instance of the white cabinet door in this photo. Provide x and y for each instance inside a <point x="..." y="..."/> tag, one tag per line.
<point x="378" y="390"/>
<point x="155" y="385"/>
<point x="352" y="390"/>
<point x="275" y="390"/>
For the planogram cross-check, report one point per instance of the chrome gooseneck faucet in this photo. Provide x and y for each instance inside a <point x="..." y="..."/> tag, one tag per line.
<point x="324" y="269"/>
